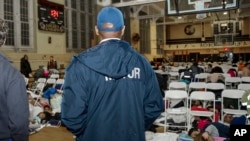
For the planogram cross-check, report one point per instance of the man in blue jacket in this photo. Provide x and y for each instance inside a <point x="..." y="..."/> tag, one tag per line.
<point x="111" y="92"/>
<point x="14" y="108"/>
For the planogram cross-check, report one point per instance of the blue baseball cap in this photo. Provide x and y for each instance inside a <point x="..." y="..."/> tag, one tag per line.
<point x="110" y="19"/>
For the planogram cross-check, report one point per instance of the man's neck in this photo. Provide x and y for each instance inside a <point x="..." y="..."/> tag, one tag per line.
<point x="106" y="39"/>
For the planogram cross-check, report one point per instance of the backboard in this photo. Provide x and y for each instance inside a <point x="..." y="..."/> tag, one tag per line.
<point x="223" y="40"/>
<point x="182" y="7"/>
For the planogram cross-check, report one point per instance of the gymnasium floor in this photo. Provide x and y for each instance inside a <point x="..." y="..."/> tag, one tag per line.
<point x="52" y="134"/>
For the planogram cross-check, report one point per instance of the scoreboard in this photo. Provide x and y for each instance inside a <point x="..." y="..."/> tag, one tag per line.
<point x="50" y="16"/>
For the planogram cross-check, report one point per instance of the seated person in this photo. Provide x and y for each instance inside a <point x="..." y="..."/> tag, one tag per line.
<point x="240" y="65"/>
<point x="216" y="69"/>
<point x="196" y="69"/>
<point x="209" y="68"/>
<point x="246" y="70"/>
<point x="216" y="78"/>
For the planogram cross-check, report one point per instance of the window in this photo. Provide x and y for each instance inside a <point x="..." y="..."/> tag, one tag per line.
<point x="159" y="39"/>
<point x="24" y="34"/>
<point x="24" y="22"/>
<point x="79" y="24"/>
<point x="145" y="36"/>
<point x="74" y="28"/>
<point x="8" y="16"/>
<point x="19" y="16"/>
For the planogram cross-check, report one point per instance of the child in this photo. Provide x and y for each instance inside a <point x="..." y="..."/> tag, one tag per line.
<point x="55" y="117"/>
<point x="41" y="118"/>
<point x="197" y="135"/>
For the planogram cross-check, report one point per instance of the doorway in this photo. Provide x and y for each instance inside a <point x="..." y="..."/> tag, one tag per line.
<point x="194" y="56"/>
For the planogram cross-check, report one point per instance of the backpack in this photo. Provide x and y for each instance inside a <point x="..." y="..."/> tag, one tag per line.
<point x="187" y="76"/>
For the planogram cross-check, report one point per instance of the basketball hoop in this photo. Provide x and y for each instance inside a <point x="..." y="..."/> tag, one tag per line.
<point x="201" y="5"/>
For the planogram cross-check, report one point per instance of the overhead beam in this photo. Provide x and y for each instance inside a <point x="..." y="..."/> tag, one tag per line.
<point x="136" y="2"/>
<point x="155" y="16"/>
<point x="245" y="5"/>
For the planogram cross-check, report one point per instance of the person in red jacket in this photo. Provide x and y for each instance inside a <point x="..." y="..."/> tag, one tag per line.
<point x="52" y="63"/>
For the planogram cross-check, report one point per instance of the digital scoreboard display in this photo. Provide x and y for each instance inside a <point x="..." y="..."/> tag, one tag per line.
<point x="51" y="16"/>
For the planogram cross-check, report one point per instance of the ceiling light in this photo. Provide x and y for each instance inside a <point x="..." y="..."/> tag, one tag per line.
<point x="179" y="17"/>
<point x="225" y="13"/>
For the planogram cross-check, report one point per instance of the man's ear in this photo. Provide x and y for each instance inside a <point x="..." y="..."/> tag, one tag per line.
<point x="96" y="31"/>
<point x="123" y="30"/>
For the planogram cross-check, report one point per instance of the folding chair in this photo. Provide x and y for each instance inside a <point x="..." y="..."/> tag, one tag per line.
<point x="216" y="88"/>
<point x="201" y="77"/>
<point x="206" y="98"/>
<point x="243" y="86"/>
<point x="173" y="75"/>
<point x="232" y="94"/>
<point x="34" y="96"/>
<point x="55" y="76"/>
<point x="51" y="82"/>
<point x="174" y="69"/>
<point x="232" y="82"/>
<point x="53" y="71"/>
<point x="177" y="86"/>
<point x="179" y="95"/>
<point x="196" y="86"/>
<point x="37" y="92"/>
<point x="59" y="85"/>
<point x="42" y="80"/>
<point x="226" y="75"/>
<point x="245" y="79"/>
<point x="38" y="89"/>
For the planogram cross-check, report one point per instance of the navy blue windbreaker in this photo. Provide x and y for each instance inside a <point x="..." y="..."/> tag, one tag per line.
<point x="14" y="107"/>
<point x="111" y="93"/>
